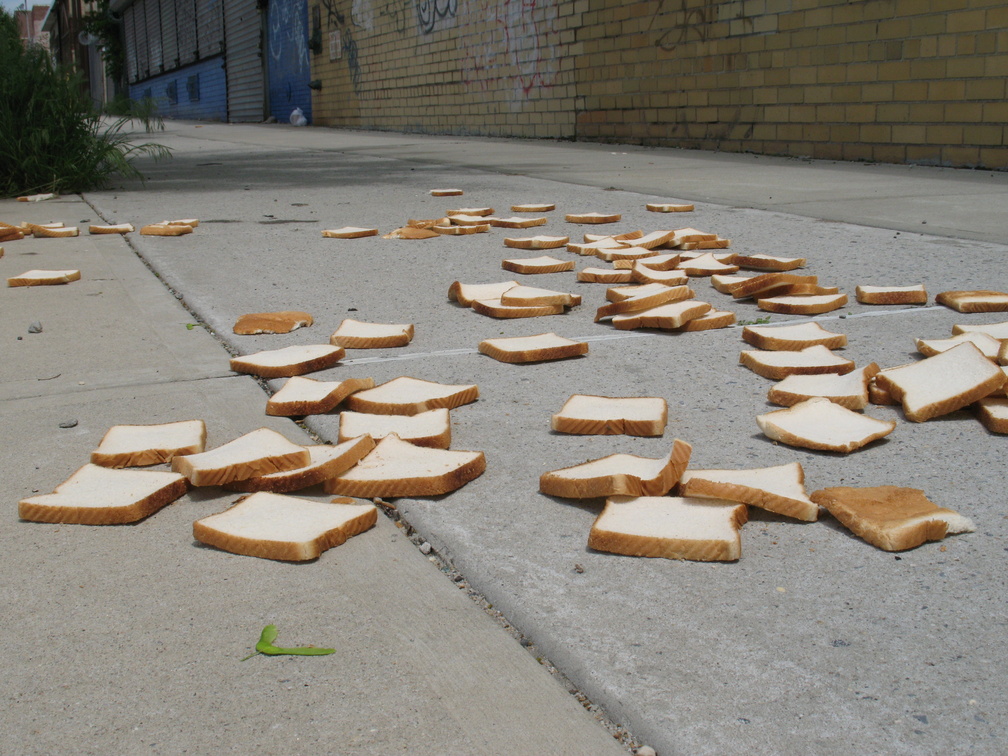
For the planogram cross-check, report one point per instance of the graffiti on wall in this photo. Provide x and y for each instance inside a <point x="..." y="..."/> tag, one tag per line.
<point x="511" y="45"/>
<point x="436" y="14"/>
<point x="336" y="20"/>
<point x="680" y="21"/>
<point x="287" y="40"/>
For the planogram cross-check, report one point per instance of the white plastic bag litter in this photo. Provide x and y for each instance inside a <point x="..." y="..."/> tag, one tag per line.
<point x="297" y="117"/>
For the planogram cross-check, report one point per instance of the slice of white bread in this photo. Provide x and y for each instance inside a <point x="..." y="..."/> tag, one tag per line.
<point x="779" y="489"/>
<point x="271" y="322"/>
<point x="672" y="527"/>
<point x="327" y="461"/>
<point x="96" y="495"/>
<point x="997" y="330"/>
<point x="668" y="207"/>
<point x="792" y="337"/>
<point x="624" y="253"/>
<point x="849" y="390"/>
<point x="768" y="283"/>
<point x="289" y="361"/>
<point x="728" y="283"/>
<point x="466" y="294"/>
<point x="517" y="221"/>
<point x="476" y="211"/>
<point x="684" y="235"/>
<point x="354" y="334"/>
<point x="941" y="384"/>
<point x="710" y="320"/>
<point x="813" y="360"/>
<point x="891" y="295"/>
<point x="461" y="219"/>
<point x="399" y="468"/>
<point x="142" y="445"/>
<point x="538" y="348"/>
<point x="974" y="301"/>
<point x="694" y="250"/>
<point x="768" y="262"/>
<point x="530" y="296"/>
<point x="1002" y="358"/>
<point x="410" y="396"/>
<point x="664" y="262"/>
<point x="985" y="343"/>
<point x="706" y="265"/>
<point x="593" y="217"/>
<point x="457" y="230"/>
<point x="431" y="428"/>
<point x="993" y="413"/>
<point x="668" y="317"/>
<point x="635" y="291"/>
<point x="446" y="192"/>
<point x="349" y="232"/>
<point x="165" y="229"/>
<point x="537" y="265"/>
<point x="306" y="396"/>
<point x="44" y="278"/>
<point x="605" y="275"/>
<point x="494" y="308"/>
<point x="584" y="414"/>
<point x="644" y="275"/>
<point x="535" y="242"/>
<point x="820" y="424"/>
<point x="618" y="475"/>
<point x="651" y="240"/>
<point x="815" y="304"/>
<point x="118" y="228"/>
<point x="286" y="528"/>
<point x="541" y="207"/>
<point x="590" y="248"/>
<point x="625" y="236"/>
<point x="660" y="296"/>
<point x="260" y="452"/>
<point x="890" y="517"/>
<point x="40" y="232"/>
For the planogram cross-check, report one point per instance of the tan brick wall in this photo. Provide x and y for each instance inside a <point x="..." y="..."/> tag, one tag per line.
<point x="886" y="80"/>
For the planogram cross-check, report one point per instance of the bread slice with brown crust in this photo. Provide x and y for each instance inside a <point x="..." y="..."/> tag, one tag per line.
<point x="849" y="390"/>
<point x="891" y="295"/>
<point x="607" y="416"/>
<point x="941" y="384"/>
<point x="286" y="528"/>
<point x="539" y="348"/>
<point x="257" y="453"/>
<point x="997" y="330"/>
<point x="820" y="424"/>
<point x="96" y="495"/>
<point x="710" y="320"/>
<point x="537" y="265"/>
<point x="779" y="489"/>
<point x="667" y="317"/>
<point x="355" y="334"/>
<point x="531" y="296"/>
<point x="536" y="242"/>
<point x="890" y="517"/>
<point x="271" y="322"/>
<point x="659" y="296"/>
<point x="466" y="294"/>
<point x="431" y="428"/>
<point x="327" y="461"/>
<point x="813" y="360"/>
<point x="605" y="275"/>
<point x="618" y="475"/>
<point x="993" y="413"/>
<point x="792" y="337"/>
<point x="494" y="308"/>
<point x="44" y="278"/>
<point x="974" y="301"/>
<point x="143" y="445"/>
<point x="289" y="361"/>
<point x="410" y="396"/>
<point x="306" y="396"/>
<point x="814" y="304"/>
<point x="985" y="343"/>
<point x="398" y="468"/>
<point x="703" y="530"/>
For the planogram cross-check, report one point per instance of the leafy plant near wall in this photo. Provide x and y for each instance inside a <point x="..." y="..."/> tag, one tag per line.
<point x="51" y="137"/>
<point x="101" y="23"/>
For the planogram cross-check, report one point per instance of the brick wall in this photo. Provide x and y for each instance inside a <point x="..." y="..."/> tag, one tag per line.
<point x="887" y="80"/>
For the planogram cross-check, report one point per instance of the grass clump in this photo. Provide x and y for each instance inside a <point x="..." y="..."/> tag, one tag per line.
<point x="51" y="137"/>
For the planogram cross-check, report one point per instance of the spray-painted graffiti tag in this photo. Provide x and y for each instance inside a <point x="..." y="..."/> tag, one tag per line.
<point x="682" y="21"/>
<point x="432" y="13"/>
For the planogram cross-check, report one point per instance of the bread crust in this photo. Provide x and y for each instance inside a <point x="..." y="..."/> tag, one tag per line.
<point x="44" y="278"/>
<point x="283" y="321"/>
<point x="58" y="506"/>
<point x="893" y="295"/>
<point x="278" y="454"/>
<point x="349" y="232"/>
<point x="297" y="366"/>
<point x="603" y="275"/>
<point x="366" y="401"/>
<point x="494" y="308"/>
<point x="775" y="365"/>
<point x="710" y="320"/>
<point x="802" y="509"/>
<point x="280" y="406"/>
<point x="560" y="483"/>
<point x="891" y="518"/>
<point x="561" y="350"/>
<point x="395" y="335"/>
<point x="312" y="474"/>
<point x="993" y="413"/>
<point x="814" y="304"/>
<point x="781" y="338"/>
<point x="974" y="301"/>
<point x="593" y="217"/>
<point x="119" y="228"/>
<point x="758" y="286"/>
<point x="667" y="295"/>
<point x="153" y="454"/>
<point x="287" y="551"/>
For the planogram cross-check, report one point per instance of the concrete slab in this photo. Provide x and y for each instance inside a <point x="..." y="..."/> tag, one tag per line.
<point x="813" y="636"/>
<point x="131" y="638"/>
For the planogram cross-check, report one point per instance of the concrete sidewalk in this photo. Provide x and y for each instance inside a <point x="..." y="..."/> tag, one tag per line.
<point x="129" y="638"/>
<point x="813" y="640"/>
